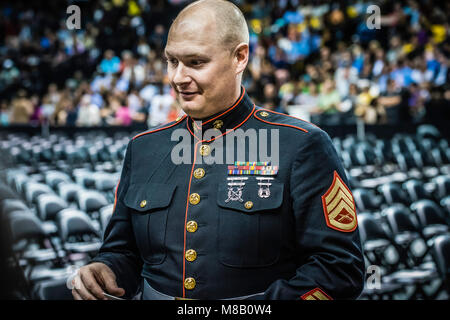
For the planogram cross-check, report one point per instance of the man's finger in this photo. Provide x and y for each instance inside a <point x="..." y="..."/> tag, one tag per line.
<point x="91" y="284"/>
<point x="83" y="292"/>
<point x="109" y="281"/>
<point x="75" y="295"/>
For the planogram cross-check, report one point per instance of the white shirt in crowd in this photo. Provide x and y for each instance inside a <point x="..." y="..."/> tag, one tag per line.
<point x="159" y="109"/>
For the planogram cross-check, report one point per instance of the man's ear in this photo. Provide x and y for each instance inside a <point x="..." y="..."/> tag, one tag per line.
<point x="241" y="55"/>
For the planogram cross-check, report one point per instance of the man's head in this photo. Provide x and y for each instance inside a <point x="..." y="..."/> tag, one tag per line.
<point x="207" y="51"/>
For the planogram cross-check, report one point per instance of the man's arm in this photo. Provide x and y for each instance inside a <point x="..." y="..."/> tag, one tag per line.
<point x="330" y="260"/>
<point x="119" y="251"/>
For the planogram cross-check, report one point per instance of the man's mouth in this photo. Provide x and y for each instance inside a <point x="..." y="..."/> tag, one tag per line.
<point x="186" y="95"/>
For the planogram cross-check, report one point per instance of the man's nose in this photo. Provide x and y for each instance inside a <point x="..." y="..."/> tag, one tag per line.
<point x="181" y="75"/>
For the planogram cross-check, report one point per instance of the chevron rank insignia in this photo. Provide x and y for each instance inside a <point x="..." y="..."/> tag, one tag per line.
<point x="316" y="294"/>
<point x="339" y="206"/>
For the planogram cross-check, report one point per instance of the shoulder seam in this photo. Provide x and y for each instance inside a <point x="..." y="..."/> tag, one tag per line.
<point x="280" y="124"/>
<point x="287" y="115"/>
<point x="167" y="126"/>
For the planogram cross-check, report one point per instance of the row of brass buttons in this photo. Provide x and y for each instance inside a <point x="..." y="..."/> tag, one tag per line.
<point x="192" y="226"/>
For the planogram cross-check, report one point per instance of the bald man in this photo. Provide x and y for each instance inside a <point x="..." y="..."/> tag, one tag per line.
<point x="230" y="201"/>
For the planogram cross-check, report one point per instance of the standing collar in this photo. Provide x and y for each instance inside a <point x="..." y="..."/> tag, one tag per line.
<point x="225" y="120"/>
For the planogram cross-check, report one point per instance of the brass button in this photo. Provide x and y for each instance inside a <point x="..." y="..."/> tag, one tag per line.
<point x="199" y="173"/>
<point x="191" y="255"/>
<point x="248" y="205"/>
<point x="194" y="198"/>
<point x="191" y="226"/>
<point x="218" y="124"/>
<point x="143" y="203"/>
<point x="205" y="150"/>
<point x="264" y="114"/>
<point x="189" y="283"/>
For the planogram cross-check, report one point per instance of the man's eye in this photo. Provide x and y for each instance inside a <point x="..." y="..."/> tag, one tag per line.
<point x="172" y="61"/>
<point x="196" y="62"/>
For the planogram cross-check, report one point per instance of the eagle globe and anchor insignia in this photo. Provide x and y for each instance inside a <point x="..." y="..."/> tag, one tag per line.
<point x="339" y="206"/>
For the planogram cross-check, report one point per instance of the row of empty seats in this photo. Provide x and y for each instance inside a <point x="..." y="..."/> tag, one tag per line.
<point x="64" y="193"/>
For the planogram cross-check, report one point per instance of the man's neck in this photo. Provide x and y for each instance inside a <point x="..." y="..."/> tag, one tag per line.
<point x="226" y="106"/>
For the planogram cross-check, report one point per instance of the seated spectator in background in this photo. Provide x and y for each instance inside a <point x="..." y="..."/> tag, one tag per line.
<point x="88" y="113"/>
<point x="107" y="113"/>
<point x="133" y="72"/>
<point x="159" y="107"/>
<point x="123" y="115"/>
<point x="8" y="74"/>
<point x="53" y="94"/>
<point x="71" y="113"/>
<point x="110" y="63"/>
<point x="59" y="116"/>
<point x="4" y="114"/>
<point x="391" y="101"/>
<point x="344" y="77"/>
<point x="329" y="98"/>
<point x="148" y="91"/>
<point x="135" y="103"/>
<point x="368" y="108"/>
<point x="271" y="100"/>
<point x="22" y="108"/>
<point x="138" y="110"/>
<point x="308" y="100"/>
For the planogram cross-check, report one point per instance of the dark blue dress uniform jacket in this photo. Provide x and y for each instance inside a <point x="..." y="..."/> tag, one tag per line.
<point x="207" y="248"/>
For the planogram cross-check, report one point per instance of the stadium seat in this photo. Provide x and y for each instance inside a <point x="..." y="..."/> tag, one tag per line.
<point x="34" y="189"/>
<point x="9" y="205"/>
<point x="78" y="232"/>
<point x="105" y="215"/>
<point x="69" y="191"/>
<point x="33" y="248"/>
<point x="366" y="200"/>
<point x="406" y="234"/>
<point x="376" y="242"/>
<point x="90" y="201"/>
<point x="430" y="217"/>
<point x="48" y="206"/>
<point x="53" y="289"/>
<point x="442" y="186"/>
<point x="441" y="254"/>
<point x="52" y="178"/>
<point x="415" y="190"/>
<point x="445" y="203"/>
<point x="393" y="193"/>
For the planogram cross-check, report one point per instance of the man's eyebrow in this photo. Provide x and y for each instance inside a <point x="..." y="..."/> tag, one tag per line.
<point x="186" y="55"/>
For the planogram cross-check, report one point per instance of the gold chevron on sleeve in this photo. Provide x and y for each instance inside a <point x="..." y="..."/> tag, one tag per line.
<point x="315" y="294"/>
<point x="339" y="206"/>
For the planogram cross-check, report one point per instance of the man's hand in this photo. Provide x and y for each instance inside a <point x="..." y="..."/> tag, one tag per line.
<point x="94" y="279"/>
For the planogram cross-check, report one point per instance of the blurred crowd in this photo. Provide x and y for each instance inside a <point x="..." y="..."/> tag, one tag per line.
<point x="318" y="60"/>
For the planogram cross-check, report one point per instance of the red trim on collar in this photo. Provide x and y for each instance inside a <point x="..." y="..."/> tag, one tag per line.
<point x="229" y="109"/>
<point x="156" y="130"/>
<point x="226" y="132"/>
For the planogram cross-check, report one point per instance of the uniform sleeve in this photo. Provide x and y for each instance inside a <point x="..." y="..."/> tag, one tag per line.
<point x="330" y="260"/>
<point x="119" y="250"/>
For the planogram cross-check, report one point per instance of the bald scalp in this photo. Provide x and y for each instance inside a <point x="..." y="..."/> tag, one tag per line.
<point x="227" y="19"/>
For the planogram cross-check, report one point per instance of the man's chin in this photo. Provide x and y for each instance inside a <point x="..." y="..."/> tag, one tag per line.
<point x="191" y="108"/>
